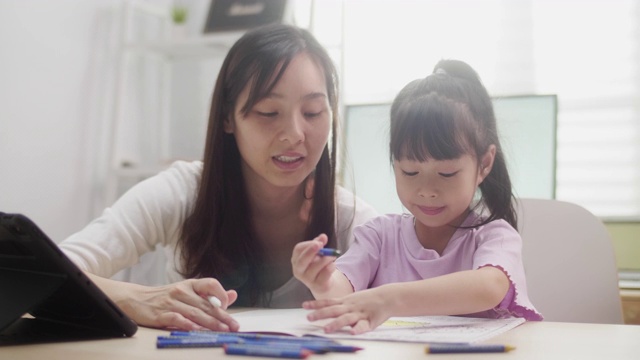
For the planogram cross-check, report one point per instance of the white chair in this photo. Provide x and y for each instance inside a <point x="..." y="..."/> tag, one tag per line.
<point x="569" y="262"/>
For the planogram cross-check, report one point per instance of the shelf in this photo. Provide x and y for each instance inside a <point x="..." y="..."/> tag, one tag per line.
<point x="210" y="45"/>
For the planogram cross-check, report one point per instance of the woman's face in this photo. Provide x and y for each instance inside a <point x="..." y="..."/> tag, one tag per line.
<point x="282" y="137"/>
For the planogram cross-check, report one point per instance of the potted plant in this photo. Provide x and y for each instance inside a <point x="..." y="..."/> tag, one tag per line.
<point x="179" y="18"/>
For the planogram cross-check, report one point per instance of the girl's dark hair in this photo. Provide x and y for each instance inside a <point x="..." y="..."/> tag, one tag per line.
<point x="446" y="115"/>
<point x="218" y="239"/>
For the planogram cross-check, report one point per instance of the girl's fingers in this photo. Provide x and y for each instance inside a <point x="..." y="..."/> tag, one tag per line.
<point x="327" y="312"/>
<point x="305" y="261"/>
<point x="361" y="326"/>
<point x="319" y="304"/>
<point x="347" y="319"/>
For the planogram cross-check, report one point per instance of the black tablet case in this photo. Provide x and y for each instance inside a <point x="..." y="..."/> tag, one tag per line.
<point x="44" y="297"/>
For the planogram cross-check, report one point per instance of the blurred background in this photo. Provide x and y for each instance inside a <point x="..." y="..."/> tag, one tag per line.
<point x="95" y="95"/>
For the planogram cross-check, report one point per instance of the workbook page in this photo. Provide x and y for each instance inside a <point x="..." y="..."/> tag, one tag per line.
<point x="428" y="329"/>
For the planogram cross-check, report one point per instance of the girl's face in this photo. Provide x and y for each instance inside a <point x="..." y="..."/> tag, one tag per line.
<point x="282" y="137"/>
<point x="438" y="192"/>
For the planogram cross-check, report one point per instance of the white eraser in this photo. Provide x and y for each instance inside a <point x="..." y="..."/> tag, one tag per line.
<point x="215" y="301"/>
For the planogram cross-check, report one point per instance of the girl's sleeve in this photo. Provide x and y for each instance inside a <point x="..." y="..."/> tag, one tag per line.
<point x="151" y="213"/>
<point x="500" y="246"/>
<point x="360" y="263"/>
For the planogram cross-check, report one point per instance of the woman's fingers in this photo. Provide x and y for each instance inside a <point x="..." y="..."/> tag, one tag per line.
<point x="207" y="287"/>
<point x="204" y="317"/>
<point x="185" y="305"/>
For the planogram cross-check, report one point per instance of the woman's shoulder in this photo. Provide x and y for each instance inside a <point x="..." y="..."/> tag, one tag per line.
<point x="348" y="203"/>
<point x="177" y="183"/>
<point x="181" y="174"/>
<point x="351" y="211"/>
<point x="185" y="169"/>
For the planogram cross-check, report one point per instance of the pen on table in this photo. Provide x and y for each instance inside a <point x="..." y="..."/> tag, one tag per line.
<point x="329" y="252"/>
<point x="215" y="301"/>
<point x="260" y="350"/>
<point x="452" y="349"/>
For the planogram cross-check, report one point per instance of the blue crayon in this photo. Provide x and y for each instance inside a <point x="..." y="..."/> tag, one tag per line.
<point x="329" y="252"/>
<point x="164" y="342"/>
<point x="253" y="336"/>
<point x="288" y="352"/>
<point x="455" y="349"/>
<point x="318" y="347"/>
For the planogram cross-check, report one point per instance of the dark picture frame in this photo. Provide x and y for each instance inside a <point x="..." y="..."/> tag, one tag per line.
<point x="235" y="15"/>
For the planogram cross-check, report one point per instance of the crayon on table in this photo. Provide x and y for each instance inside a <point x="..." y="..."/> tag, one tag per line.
<point x="329" y="252"/>
<point x="252" y="336"/>
<point x="453" y="349"/>
<point x="319" y="347"/>
<point x="165" y="342"/>
<point x="261" y="350"/>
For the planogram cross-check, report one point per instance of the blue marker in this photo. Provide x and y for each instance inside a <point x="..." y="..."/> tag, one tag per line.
<point x="288" y="352"/>
<point x="329" y="252"/>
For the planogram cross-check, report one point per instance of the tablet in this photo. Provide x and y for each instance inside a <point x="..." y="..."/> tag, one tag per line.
<point x="44" y="297"/>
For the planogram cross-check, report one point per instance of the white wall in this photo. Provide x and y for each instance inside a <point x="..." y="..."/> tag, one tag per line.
<point x="56" y="69"/>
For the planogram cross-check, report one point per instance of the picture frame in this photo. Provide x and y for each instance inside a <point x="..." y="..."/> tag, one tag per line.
<point x="237" y="15"/>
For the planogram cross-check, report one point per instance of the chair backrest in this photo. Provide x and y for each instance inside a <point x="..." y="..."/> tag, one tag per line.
<point x="569" y="262"/>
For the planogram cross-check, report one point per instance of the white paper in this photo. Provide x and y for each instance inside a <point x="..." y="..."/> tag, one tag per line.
<point x="423" y="329"/>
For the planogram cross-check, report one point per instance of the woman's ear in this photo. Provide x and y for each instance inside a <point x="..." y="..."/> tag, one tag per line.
<point x="486" y="163"/>
<point x="229" y="125"/>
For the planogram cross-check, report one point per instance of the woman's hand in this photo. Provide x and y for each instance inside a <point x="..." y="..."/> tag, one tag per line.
<point x="313" y="270"/>
<point x="183" y="305"/>
<point x="363" y="311"/>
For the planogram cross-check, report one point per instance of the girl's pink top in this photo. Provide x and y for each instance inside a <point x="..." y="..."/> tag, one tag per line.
<point x="386" y="250"/>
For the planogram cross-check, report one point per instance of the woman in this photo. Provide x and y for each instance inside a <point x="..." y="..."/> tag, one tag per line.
<point x="230" y="222"/>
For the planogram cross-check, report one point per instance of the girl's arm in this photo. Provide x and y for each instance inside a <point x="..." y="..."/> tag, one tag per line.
<point x="182" y="305"/>
<point x="463" y="292"/>
<point x="318" y="273"/>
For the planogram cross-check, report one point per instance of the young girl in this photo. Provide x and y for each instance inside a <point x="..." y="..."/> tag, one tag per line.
<point x="229" y="223"/>
<point x="453" y="255"/>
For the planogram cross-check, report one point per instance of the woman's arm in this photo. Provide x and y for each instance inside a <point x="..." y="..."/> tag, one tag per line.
<point x="182" y="305"/>
<point x="458" y="293"/>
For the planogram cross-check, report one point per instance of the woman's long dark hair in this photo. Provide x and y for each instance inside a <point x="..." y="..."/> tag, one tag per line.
<point x="446" y="115"/>
<point x="218" y="239"/>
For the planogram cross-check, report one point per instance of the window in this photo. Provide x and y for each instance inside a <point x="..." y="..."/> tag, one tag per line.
<point x="519" y="48"/>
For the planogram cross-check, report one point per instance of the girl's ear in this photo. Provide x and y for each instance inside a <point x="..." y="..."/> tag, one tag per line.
<point x="486" y="163"/>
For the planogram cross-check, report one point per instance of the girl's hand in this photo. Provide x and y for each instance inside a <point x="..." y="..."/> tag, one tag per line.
<point x="363" y="311"/>
<point x="183" y="305"/>
<point x="310" y="268"/>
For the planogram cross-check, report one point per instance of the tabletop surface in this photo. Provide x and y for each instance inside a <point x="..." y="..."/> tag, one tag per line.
<point x="533" y="340"/>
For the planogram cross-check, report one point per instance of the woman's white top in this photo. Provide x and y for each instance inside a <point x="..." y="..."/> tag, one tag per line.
<point x="151" y="215"/>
